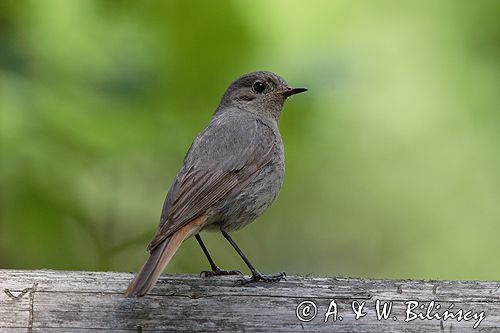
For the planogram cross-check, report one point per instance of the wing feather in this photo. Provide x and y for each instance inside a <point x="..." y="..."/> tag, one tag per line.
<point x="224" y="158"/>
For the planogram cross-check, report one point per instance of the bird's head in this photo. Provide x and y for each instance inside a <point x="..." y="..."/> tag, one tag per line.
<point x="262" y="92"/>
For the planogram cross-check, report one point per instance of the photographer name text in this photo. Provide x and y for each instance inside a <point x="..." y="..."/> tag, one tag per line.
<point x="383" y="310"/>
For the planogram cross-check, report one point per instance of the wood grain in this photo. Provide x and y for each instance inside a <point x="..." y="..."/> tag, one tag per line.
<point x="63" y="301"/>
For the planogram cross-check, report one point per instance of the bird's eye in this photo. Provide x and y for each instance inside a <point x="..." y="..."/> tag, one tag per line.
<point x="259" y="86"/>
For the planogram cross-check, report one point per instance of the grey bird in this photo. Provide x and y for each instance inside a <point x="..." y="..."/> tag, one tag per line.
<point x="231" y="174"/>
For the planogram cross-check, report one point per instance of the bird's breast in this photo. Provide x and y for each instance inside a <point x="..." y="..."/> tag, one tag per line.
<point x="238" y="211"/>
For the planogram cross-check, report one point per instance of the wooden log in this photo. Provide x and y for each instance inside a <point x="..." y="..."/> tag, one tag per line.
<point x="61" y="301"/>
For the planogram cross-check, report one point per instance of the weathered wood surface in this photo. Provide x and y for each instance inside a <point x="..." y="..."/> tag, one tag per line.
<point x="59" y="301"/>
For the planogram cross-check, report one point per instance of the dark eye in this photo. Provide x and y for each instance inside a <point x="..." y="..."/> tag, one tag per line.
<point x="259" y="86"/>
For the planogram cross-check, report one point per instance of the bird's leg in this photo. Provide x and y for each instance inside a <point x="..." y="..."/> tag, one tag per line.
<point x="256" y="275"/>
<point x="215" y="269"/>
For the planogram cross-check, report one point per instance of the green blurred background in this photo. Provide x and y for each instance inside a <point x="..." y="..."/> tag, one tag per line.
<point x="393" y="165"/>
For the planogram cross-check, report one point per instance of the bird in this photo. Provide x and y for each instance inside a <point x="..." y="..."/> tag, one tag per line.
<point x="231" y="174"/>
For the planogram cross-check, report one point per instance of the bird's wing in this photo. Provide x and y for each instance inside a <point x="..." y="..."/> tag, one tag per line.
<point x="224" y="158"/>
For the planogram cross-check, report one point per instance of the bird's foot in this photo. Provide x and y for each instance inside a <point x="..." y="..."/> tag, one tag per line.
<point x="259" y="277"/>
<point x="219" y="271"/>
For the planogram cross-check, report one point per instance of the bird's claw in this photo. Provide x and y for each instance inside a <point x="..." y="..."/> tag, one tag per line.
<point x="220" y="272"/>
<point x="259" y="277"/>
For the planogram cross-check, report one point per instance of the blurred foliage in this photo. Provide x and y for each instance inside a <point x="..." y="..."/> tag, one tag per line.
<point x="393" y="167"/>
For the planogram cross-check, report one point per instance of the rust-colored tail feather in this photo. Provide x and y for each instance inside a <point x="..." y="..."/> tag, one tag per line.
<point x="159" y="258"/>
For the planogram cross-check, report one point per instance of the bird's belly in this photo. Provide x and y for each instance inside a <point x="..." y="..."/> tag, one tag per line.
<point x="241" y="209"/>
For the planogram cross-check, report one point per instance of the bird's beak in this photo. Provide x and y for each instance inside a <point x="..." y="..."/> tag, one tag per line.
<point x="292" y="91"/>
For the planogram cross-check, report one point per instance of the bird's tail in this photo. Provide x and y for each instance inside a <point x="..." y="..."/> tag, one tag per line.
<point x="159" y="258"/>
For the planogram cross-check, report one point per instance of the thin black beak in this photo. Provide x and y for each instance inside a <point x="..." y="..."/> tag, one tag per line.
<point x="292" y="91"/>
